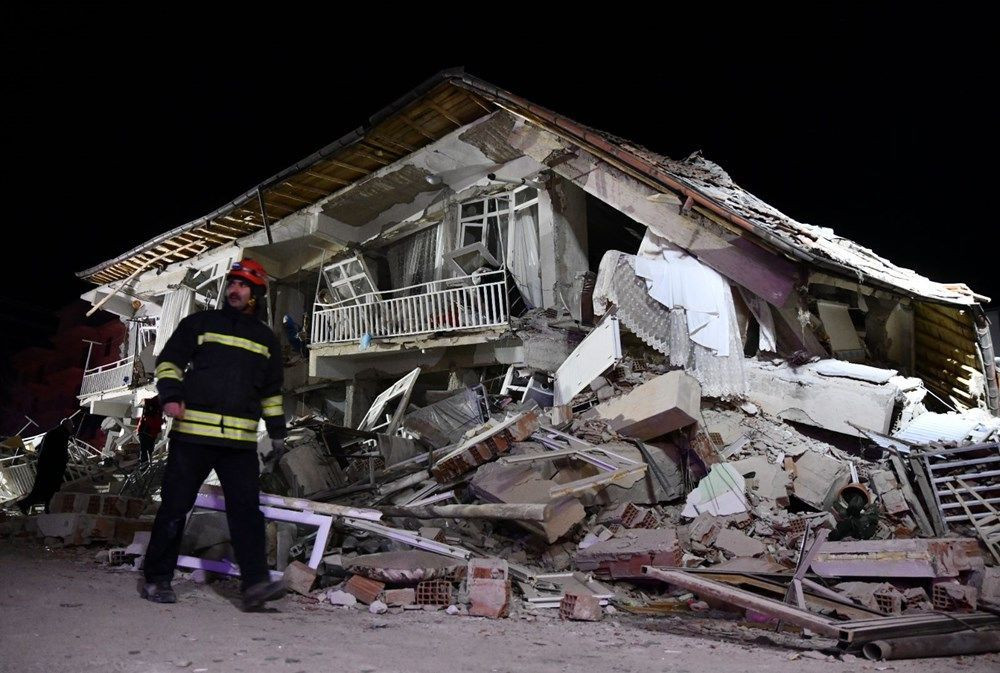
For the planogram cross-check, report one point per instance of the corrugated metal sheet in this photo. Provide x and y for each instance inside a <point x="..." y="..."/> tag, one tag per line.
<point x="974" y="425"/>
<point x="947" y="357"/>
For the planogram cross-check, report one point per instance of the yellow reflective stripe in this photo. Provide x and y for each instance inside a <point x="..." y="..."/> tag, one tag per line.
<point x="168" y="370"/>
<point x="273" y="401"/>
<point x="273" y="411"/>
<point x="202" y="416"/>
<point x="216" y="419"/>
<point x="236" y="422"/>
<point x="214" y="431"/>
<point x="236" y="342"/>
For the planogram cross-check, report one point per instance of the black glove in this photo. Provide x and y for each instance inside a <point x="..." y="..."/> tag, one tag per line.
<point x="278" y="449"/>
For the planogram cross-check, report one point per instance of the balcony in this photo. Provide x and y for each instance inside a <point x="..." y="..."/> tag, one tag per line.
<point x="108" y="378"/>
<point x="466" y="303"/>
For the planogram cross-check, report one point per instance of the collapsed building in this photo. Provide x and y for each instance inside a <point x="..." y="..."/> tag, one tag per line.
<point x="600" y="362"/>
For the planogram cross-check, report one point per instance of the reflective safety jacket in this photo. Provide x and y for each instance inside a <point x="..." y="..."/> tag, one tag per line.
<point x="226" y="367"/>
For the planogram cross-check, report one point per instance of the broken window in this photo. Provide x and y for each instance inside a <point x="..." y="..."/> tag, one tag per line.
<point x="506" y="226"/>
<point x="347" y="282"/>
<point x="487" y="221"/>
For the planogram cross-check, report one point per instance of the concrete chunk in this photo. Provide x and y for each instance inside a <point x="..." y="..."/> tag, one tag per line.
<point x="342" y="599"/>
<point x="524" y="483"/>
<point x="398" y="597"/>
<point x="666" y="403"/>
<point x="801" y="394"/>
<point x="933" y="558"/>
<point x="765" y="479"/>
<point x="819" y="478"/>
<point x="625" y="554"/>
<point x="737" y="543"/>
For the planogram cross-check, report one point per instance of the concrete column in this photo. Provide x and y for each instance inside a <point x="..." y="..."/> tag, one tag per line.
<point x="462" y="378"/>
<point x="360" y="393"/>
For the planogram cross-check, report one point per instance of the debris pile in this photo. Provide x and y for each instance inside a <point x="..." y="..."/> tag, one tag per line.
<point x="571" y="489"/>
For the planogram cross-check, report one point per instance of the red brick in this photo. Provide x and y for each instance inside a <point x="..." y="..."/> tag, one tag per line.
<point x="489" y="598"/>
<point x="299" y="577"/>
<point x="581" y="607"/>
<point x="435" y="592"/>
<point x="365" y="590"/>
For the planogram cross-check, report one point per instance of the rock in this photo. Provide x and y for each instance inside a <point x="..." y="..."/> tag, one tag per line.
<point x="342" y="598"/>
<point x="378" y="608"/>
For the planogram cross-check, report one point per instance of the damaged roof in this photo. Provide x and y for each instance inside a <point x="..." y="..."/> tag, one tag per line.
<point x="452" y="99"/>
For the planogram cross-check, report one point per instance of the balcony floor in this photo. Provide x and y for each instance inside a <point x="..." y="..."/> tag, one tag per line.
<point x="405" y="343"/>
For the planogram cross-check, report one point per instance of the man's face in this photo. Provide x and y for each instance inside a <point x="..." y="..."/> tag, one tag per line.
<point x="238" y="295"/>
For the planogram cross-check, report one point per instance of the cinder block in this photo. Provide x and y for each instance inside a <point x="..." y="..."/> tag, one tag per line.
<point x="435" y="592"/>
<point x="63" y="503"/>
<point x="299" y="577"/>
<point x="954" y="597"/>
<point x="581" y="607"/>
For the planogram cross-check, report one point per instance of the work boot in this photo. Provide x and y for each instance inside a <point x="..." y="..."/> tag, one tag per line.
<point x="255" y="596"/>
<point x="158" y="592"/>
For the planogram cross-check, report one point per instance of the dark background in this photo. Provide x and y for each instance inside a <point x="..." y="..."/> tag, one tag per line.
<point x="119" y="123"/>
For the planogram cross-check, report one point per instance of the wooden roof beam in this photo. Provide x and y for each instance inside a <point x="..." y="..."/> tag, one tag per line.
<point x="385" y="140"/>
<point x="444" y="113"/>
<point x="291" y="197"/>
<point x="306" y="188"/>
<point x="329" y="178"/>
<point x="416" y="127"/>
<point x="350" y="167"/>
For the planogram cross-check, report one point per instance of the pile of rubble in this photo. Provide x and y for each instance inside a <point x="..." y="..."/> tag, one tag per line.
<point x="610" y="480"/>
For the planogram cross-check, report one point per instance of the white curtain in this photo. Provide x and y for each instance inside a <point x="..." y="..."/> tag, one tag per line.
<point x="178" y="305"/>
<point x="523" y="259"/>
<point x="412" y="260"/>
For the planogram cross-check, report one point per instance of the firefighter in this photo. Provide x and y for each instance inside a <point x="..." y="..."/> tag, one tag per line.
<point x="219" y="372"/>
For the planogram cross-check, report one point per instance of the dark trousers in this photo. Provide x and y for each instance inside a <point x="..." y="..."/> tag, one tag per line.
<point x="188" y="464"/>
<point x="146" y="444"/>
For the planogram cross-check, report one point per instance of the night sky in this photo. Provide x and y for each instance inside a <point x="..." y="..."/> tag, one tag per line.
<point x="119" y="123"/>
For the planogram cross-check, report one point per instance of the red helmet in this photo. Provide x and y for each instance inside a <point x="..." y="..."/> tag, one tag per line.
<point x="250" y="271"/>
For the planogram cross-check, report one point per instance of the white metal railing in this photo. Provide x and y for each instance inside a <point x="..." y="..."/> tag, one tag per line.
<point x="107" y="377"/>
<point x="16" y="479"/>
<point x="466" y="303"/>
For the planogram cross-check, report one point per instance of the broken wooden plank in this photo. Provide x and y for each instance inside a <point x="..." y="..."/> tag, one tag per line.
<point x="916" y="508"/>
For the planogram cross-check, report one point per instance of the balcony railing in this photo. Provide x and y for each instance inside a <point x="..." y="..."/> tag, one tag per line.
<point x="450" y="305"/>
<point x="106" y="378"/>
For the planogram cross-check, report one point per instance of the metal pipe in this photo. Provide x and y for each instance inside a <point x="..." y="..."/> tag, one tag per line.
<point x="941" y="645"/>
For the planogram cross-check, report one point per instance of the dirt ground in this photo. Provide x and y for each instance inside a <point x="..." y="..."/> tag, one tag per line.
<point x="62" y="611"/>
